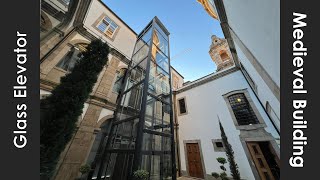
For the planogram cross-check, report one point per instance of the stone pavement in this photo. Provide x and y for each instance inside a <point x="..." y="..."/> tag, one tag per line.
<point x="187" y="178"/>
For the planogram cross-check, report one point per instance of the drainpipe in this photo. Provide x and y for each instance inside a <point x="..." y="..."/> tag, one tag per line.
<point x="176" y="126"/>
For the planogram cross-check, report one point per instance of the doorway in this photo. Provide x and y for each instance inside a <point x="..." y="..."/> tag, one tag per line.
<point x="265" y="159"/>
<point x="195" y="168"/>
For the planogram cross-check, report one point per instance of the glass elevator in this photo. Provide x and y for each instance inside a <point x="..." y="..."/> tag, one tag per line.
<point x="142" y="134"/>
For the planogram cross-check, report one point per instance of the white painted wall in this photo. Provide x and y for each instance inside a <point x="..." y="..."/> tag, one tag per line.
<point x="264" y="92"/>
<point x="257" y="24"/>
<point x="124" y="40"/>
<point x="84" y="110"/>
<point x="104" y="112"/>
<point x="204" y="103"/>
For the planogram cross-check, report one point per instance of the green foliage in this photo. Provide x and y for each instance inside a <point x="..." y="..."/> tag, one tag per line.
<point x="84" y="169"/>
<point x="221" y="160"/>
<point x="223" y="176"/>
<point x="215" y="175"/>
<point x="60" y="111"/>
<point x="141" y="174"/>
<point x="230" y="154"/>
<point x="223" y="168"/>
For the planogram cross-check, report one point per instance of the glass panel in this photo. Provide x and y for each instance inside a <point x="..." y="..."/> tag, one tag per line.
<point x="124" y="136"/>
<point x="162" y="32"/>
<point x="123" y="166"/>
<point x="159" y="58"/>
<point x="153" y="142"/>
<point x="136" y="75"/>
<point x="145" y="40"/>
<point x="145" y="163"/>
<point x="140" y="55"/>
<point x="160" y="42"/>
<point x="155" y="167"/>
<point x="157" y="117"/>
<point x="166" y="144"/>
<point x="159" y="84"/>
<point x="130" y="103"/>
<point x="103" y="26"/>
<point x="147" y="36"/>
<point x="117" y="166"/>
<point x="167" y="167"/>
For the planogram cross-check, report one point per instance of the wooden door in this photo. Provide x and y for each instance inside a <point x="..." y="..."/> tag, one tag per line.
<point x="260" y="161"/>
<point x="194" y="160"/>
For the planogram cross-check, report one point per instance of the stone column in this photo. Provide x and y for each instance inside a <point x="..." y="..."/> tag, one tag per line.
<point x="80" y="146"/>
<point x="107" y="79"/>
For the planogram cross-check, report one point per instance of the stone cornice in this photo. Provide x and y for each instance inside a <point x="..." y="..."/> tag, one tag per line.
<point x="49" y="86"/>
<point x="207" y="79"/>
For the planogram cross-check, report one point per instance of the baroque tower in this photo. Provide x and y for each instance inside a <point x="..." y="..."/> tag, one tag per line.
<point x="220" y="53"/>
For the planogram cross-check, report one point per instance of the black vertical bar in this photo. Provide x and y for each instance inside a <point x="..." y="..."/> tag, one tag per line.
<point x="173" y="154"/>
<point x="21" y="161"/>
<point x="118" y="102"/>
<point x="310" y="39"/>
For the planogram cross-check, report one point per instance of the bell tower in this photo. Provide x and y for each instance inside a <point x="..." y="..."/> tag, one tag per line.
<point x="220" y="53"/>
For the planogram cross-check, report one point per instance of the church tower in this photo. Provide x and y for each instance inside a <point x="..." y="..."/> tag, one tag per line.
<point x="220" y="53"/>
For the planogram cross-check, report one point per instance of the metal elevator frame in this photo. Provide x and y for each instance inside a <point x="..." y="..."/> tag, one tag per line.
<point x="137" y="116"/>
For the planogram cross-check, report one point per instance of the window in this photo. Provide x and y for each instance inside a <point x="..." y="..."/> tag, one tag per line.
<point x="119" y="79"/>
<point x="224" y="56"/>
<point x="107" y="26"/>
<point x="242" y="110"/>
<point x="218" y="145"/>
<point x="68" y="62"/>
<point x="182" y="106"/>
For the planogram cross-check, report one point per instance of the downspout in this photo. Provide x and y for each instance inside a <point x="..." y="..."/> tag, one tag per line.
<point x="176" y="126"/>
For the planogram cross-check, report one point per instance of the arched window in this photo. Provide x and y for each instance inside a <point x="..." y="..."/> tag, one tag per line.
<point x="45" y="23"/>
<point x="223" y="55"/>
<point x="242" y="109"/>
<point x="119" y="79"/>
<point x="68" y="62"/>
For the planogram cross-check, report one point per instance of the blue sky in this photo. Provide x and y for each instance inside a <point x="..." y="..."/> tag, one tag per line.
<point x="189" y="25"/>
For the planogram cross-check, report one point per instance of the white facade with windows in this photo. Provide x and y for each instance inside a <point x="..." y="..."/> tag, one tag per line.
<point x="254" y="28"/>
<point x="103" y="23"/>
<point x="208" y="100"/>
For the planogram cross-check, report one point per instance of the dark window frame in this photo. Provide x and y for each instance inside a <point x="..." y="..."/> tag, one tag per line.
<point x="242" y="109"/>
<point x="185" y="106"/>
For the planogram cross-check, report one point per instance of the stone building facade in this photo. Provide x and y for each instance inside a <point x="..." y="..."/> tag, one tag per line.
<point x="220" y="53"/>
<point x="67" y="27"/>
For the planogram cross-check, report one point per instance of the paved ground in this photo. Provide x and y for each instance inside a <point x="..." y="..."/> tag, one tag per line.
<point x="187" y="178"/>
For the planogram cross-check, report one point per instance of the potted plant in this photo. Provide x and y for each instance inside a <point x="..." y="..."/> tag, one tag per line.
<point x="84" y="170"/>
<point x="141" y="174"/>
<point x="222" y="175"/>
